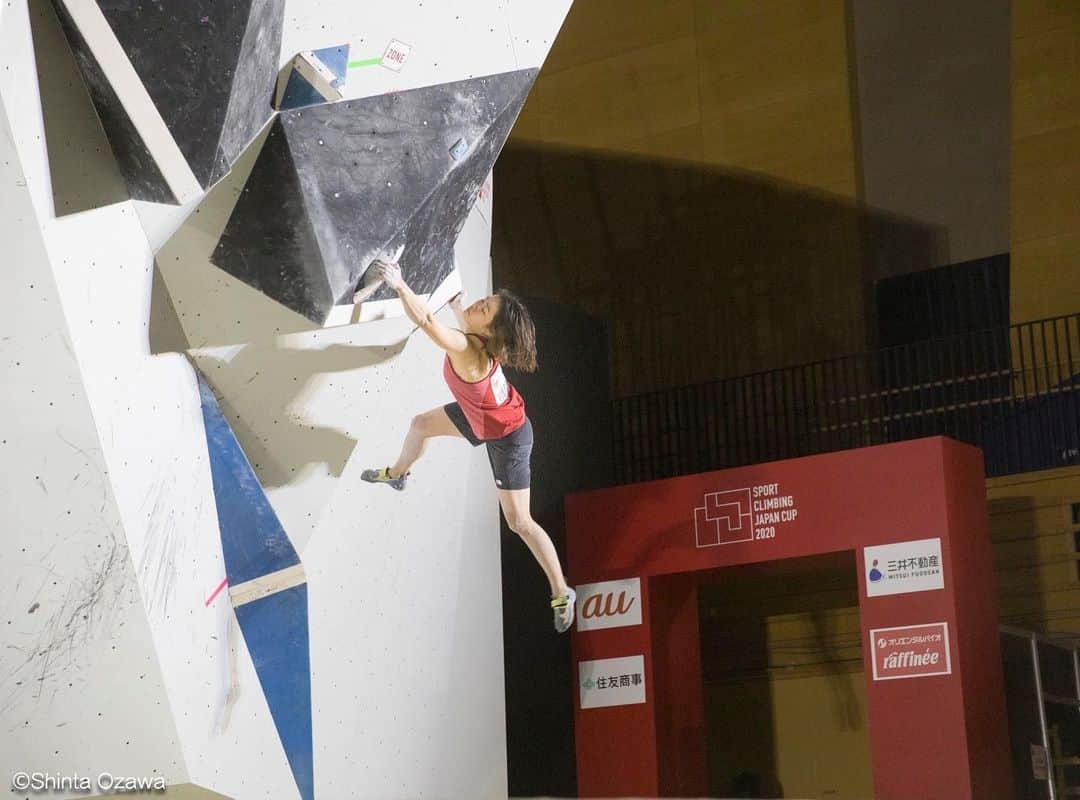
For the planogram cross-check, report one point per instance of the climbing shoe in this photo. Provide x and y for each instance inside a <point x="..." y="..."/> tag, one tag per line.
<point x="383" y="476"/>
<point x="563" y="608"/>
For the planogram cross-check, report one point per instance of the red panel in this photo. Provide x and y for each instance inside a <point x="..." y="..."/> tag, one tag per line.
<point x="979" y="662"/>
<point x="928" y="738"/>
<point x="616" y="746"/>
<point x="680" y="704"/>
<point x="843" y="500"/>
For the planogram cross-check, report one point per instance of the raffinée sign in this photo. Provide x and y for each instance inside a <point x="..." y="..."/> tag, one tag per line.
<point x="910" y="651"/>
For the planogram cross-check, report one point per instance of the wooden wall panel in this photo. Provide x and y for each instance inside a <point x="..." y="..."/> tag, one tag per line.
<point x="701" y="273"/>
<point x="759" y="85"/>
<point x="685" y="169"/>
<point x="1045" y="159"/>
<point x="933" y="89"/>
<point x="775" y="92"/>
<point x="1035" y="549"/>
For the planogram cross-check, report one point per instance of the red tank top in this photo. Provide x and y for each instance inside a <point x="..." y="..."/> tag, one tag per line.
<point x="492" y="405"/>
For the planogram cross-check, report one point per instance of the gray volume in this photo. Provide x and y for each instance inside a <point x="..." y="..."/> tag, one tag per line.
<point x="336" y="184"/>
<point x="209" y="67"/>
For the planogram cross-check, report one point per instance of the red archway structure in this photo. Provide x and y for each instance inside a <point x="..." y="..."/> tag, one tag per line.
<point x="935" y="695"/>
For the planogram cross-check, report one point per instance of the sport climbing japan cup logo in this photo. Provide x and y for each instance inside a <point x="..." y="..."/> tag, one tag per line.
<point x="749" y="514"/>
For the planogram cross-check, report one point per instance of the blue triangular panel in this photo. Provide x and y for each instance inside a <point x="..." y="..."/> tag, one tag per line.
<point x="336" y="60"/>
<point x="252" y="540"/>
<point x="300" y="94"/>
<point x="276" y="631"/>
<point x="275" y="627"/>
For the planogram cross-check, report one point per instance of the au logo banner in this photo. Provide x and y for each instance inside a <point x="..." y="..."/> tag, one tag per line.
<point x="609" y="604"/>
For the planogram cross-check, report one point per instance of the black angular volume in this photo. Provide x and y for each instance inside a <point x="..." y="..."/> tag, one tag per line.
<point x="141" y="174"/>
<point x="208" y="67"/>
<point x="399" y="168"/>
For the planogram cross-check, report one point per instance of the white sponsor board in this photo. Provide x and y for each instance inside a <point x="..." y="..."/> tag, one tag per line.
<point x="1040" y="764"/>
<point x="612" y="681"/>
<point x="609" y="604"/>
<point x="910" y="651"/>
<point x="903" y="567"/>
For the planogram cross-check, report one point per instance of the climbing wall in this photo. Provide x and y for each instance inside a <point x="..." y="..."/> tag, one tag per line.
<point x="200" y="587"/>
<point x="74" y="631"/>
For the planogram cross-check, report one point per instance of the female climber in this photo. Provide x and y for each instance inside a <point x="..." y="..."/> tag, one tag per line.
<point x="493" y="331"/>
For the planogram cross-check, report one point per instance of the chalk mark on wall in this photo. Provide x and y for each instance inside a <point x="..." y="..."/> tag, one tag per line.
<point x="165" y="546"/>
<point x="230" y="673"/>
<point x="87" y="605"/>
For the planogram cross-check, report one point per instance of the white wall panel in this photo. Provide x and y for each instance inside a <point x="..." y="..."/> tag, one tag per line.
<point x="449" y="40"/>
<point x="405" y="609"/>
<point x="80" y="686"/>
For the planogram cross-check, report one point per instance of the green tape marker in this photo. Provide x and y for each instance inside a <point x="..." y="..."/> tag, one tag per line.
<point x="368" y="62"/>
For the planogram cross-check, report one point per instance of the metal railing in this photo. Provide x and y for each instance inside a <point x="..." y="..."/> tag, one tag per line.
<point x="1014" y="392"/>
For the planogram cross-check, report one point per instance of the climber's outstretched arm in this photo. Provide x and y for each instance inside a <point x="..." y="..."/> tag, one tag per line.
<point x="449" y="339"/>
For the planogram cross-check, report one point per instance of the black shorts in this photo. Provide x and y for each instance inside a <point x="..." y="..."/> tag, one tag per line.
<point x="509" y="456"/>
